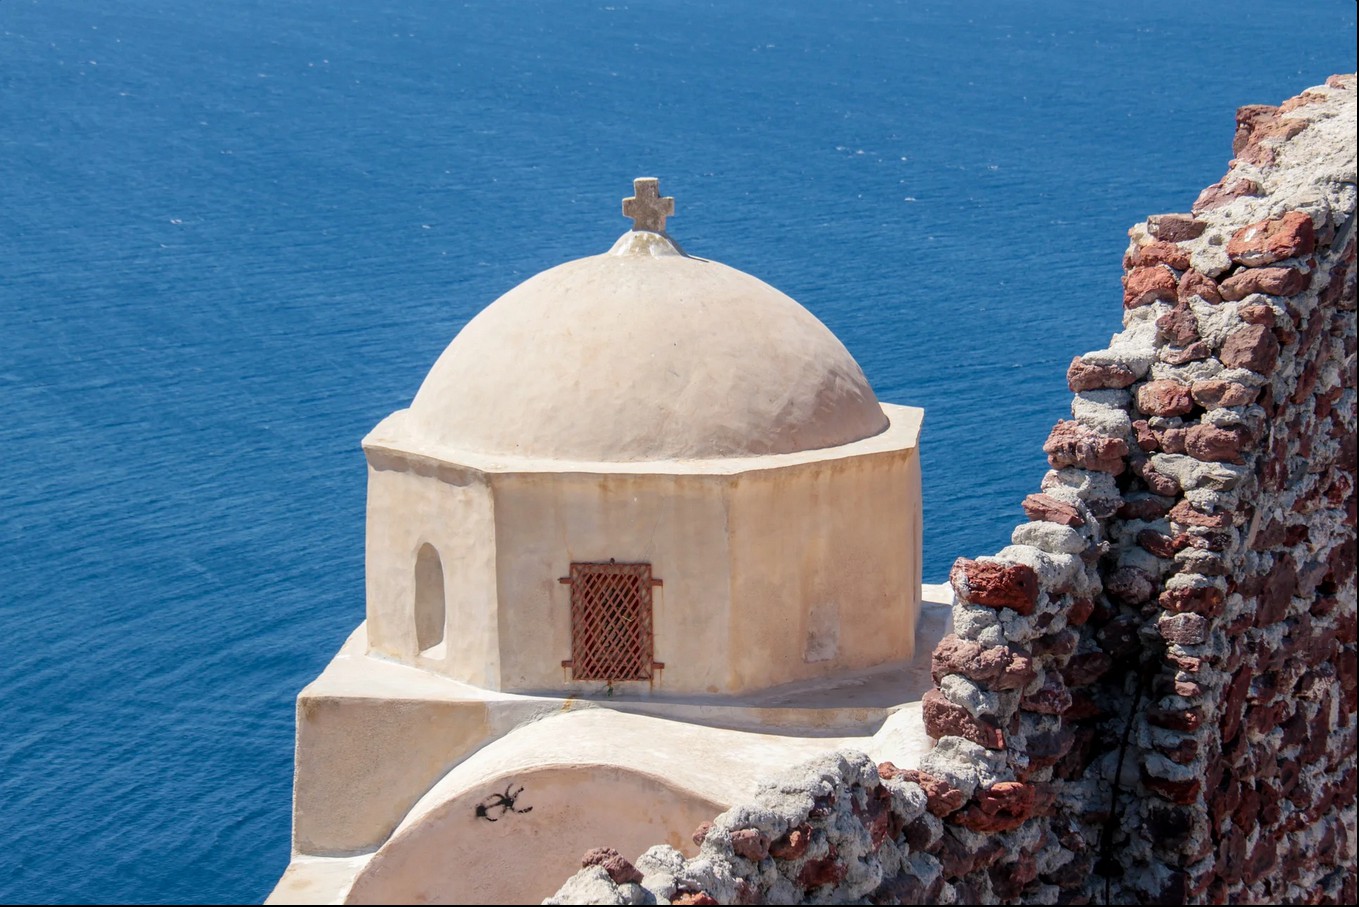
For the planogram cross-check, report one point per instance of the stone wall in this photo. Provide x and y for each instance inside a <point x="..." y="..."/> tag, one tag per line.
<point x="1150" y="696"/>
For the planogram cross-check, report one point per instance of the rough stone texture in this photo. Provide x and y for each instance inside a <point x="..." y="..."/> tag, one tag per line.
<point x="1251" y="346"/>
<point x="611" y="861"/>
<point x="1273" y="240"/>
<point x="1150" y="284"/>
<point x="1084" y="376"/>
<point x="1072" y="444"/>
<point x="1047" y="508"/>
<point x="995" y="585"/>
<point x="1167" y="654"/>
<point x="1164" y="398"/>
<point x="1273" y="281"/>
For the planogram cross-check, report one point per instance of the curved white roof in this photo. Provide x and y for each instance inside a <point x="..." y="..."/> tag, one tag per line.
<point x="644" y="353"/>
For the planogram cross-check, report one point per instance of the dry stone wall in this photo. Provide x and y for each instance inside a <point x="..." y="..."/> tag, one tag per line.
<point x="1150" y="695"/>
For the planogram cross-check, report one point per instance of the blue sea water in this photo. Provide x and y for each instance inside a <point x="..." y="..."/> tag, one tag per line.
<point x="235" y="236"/>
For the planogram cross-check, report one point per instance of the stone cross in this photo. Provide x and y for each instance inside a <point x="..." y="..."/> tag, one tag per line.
<point x="646" y="208"/>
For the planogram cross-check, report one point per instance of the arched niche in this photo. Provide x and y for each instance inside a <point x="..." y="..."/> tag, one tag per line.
<point x="430" y="609"/>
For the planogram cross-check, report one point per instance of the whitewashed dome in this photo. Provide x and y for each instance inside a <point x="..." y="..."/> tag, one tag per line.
<point x="644" y="353"/>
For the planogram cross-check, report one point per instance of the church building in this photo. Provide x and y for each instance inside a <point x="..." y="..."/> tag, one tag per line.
<point x="644" y="527"/>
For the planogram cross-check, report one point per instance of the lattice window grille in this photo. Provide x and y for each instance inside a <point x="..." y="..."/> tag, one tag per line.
<point x="611" y="631"/>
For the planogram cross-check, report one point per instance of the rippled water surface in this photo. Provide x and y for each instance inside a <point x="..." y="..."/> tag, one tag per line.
<point x="234" y="236"/>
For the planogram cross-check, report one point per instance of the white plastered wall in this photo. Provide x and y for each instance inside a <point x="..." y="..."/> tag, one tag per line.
<point x="782" y="569"/>
<point x="825" y="568"/>
<point x="410" y="504"/>
<point x="676" y="523"/>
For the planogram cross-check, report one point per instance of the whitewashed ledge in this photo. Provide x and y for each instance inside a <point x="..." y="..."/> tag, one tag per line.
<point x="714" y="755"/>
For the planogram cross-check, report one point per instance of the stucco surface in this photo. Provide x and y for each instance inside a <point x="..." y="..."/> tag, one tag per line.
<point x="644" y="353"/>
<point x="592" y="778"/>
<point x="795" y="566"/>
<point x="454" y="513"/>
<point x="385" y="748"/>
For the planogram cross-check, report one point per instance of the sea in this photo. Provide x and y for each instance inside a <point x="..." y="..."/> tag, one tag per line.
<point x="233" y="236"/>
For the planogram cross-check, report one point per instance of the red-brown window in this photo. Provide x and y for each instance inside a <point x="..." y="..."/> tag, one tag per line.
<point x="611" y="621"/>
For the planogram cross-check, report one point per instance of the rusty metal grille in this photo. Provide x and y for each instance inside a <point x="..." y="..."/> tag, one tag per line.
<point x="611" y="621"/>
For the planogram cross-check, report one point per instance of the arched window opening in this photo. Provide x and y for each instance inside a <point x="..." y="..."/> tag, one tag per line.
<point x="429" y="599"/>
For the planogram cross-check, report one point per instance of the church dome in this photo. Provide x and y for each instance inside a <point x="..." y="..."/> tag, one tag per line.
<point x="644" y="353"/>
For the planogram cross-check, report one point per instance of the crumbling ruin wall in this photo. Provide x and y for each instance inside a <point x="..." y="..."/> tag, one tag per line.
<point x="1150" y="696"/>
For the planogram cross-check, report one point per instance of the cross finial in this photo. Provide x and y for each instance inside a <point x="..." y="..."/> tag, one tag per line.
<point x="646" y="208"/>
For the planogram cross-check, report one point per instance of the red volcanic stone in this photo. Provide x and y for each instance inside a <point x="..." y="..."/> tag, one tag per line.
<point x="1341" y="560"/>
<point x="1307" y="382"/>
<point x="1188" y="689"/>
<point x="827" y="871"/>
<point x="1190" y="664"/>
<point x="1171" y="440"/>
<point x="1143" y="507"/>
<point x="1216" y="445"/>
<point x="956" y="859"/>
<point x="1256" y="314"/>
<point x="1048" y="509"/>
<point x="1183" y="629"/>
<point x="694" y="897"/>
<point x="1158" y="543"/>
<point x="1202" y="600"/>
<point x="1009" y="878"/>
<point x="1179" y="325"/>
<point x="1271" y="281"/>
<point x="1280" y="585"/>
<point x="1144" y="286"/>
<point x="1164" y="397"/>
<point x="1257" y="122"/>
<point x="1048" y="748"/>
<point x="1145" y="437"/>
<point x="1183" y="720"/>
<point x="876" y="816"/>
<point x="1080" y="611"/>
<point x="750" y="843"/>
<point x="1174" y="355"/>
<point x="1072" y="444"/>
<point x="1302" y="100"/>
<point x="997" y="667"/>
<point x="1252" y="346"/>
<point x="1224" y="191"/>
<point x="1196" y="283"/>
<point x="1085" y="376"/>
<point x="888" y="770"/>
<point x="943" y="718"/>
<point x="1250" y="118"/>
<point x="1130" y="585"/>
<point x="1160" y="253"/>
<point x="1234" y="704"/>
<point x="701" y="833"/>
<point x="1181" y="792"/>
<point x="1001" y="807"/>
<point x="1185" y="514"/>
<point x="995" y="585"/>
<point x="1215" y="393"/>
<point x="1086" y="667"/>
<point x="1052" y="698"/>
<point x="792" y="845"/>
<point x="941" y="799"/>
<point x="1268" y="241"/>
<point x="619" y="869"/>
<point x="1175" y="227"/>
<point x="1058" y="645"/>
